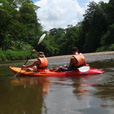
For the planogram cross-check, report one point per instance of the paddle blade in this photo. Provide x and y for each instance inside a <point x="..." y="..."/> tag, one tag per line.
<point x="41" y="38"/>
<point x="84" y="68"/>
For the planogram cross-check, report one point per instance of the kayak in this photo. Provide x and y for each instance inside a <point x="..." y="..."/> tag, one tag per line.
<point x="50" y="73"/>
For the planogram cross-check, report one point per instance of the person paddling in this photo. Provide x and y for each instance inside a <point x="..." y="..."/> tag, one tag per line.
<point x="39" y="65"/>
<point x="77" y="60"/>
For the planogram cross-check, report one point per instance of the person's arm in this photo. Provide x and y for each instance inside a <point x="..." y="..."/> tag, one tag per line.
<point x="85" y="63"/>
<point x="84" y="60"/>
<point x="71" y="62"/>
<point x="33" y="64"/>
<point x="34" y="51"/>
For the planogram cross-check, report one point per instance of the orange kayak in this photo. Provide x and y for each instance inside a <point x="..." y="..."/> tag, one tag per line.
<point x="48" y="72"/>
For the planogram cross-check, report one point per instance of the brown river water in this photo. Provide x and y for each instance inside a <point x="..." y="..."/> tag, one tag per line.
<point x="64" y="95"/>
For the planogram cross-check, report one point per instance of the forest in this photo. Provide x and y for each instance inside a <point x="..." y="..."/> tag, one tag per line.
<point x="20" y="31"/>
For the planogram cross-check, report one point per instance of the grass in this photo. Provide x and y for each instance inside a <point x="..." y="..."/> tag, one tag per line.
<point x="15" y="55"/>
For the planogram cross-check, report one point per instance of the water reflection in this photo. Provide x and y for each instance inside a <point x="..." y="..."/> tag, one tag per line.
<point x="86" y="98"/>
<point x="64" y="95"/>
<point x="37" y="83"/>
<point x="81" y="90"/>
<point x="23" y="95"/>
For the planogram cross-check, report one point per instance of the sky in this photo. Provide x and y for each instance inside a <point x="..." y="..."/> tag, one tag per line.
<point x="61" y="13"/>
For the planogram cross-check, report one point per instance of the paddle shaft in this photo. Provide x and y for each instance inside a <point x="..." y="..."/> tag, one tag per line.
<point x="40" y="40"/>
<point x="27" y="60"/>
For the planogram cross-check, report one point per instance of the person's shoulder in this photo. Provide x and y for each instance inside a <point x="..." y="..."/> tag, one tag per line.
<point x="80" y="53"/>
<point x="72" y="58"/>
<point x="36" y="60"/>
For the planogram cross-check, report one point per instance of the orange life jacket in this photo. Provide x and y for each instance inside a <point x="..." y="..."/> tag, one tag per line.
<point x="80" y="60"/>
<point x="43" y="65"/>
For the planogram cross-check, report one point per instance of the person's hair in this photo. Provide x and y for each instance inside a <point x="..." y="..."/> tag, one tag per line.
<point x="74" y="49"/>
<point x="41" y="54"/>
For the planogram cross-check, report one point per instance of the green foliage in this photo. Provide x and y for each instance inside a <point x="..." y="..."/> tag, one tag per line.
<point x="14" y="55"/>
<point x="108" y="37"/>
<point x="95" y="27"/>
<point x="20" y="31"/>
<point x="18" y="24"/>
<point x="71" y="39"/>
<point x="110" y="12"/>
<point x="48" y="46"/>
<point x="2" y="55"/>
<point x="111" y="47"/>
<point x="106" y="48"/>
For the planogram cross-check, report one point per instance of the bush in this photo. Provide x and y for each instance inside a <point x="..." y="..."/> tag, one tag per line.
<point x="14" y="55"/>
<point x="111" y="48"/>
<point x="2" y="55"/>
<point x="106" y="48"/>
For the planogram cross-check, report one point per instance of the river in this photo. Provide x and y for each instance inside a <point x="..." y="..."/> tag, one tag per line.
<point x="65" y="95"/>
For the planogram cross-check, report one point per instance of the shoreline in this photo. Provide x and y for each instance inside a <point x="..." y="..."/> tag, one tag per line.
<point x="85" y="54"/>
<point x="64" y="59"/>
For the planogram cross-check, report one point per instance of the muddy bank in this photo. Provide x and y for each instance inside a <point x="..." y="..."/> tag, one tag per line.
<point x="90" y="57"/>
<point x="60" y="60"/>
<point x="86" y="54"/>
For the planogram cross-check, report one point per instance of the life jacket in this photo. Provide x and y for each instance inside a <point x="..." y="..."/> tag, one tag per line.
<point x="43" y="65"/>
<point x="80" y="60"/>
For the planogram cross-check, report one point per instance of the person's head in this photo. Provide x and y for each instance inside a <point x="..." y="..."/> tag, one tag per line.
<point x="75" y="49"/>
<point x="41" y="54"/>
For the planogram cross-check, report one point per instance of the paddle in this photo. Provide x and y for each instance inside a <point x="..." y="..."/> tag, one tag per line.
<point x="40" y="40"/>
<point x="84" y="68"/>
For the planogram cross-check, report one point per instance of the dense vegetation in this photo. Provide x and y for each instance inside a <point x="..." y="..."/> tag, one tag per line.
<point x="20" y="31"/>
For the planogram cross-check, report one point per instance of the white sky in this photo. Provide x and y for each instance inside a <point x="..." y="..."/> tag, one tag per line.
<point x="60" y="13"/>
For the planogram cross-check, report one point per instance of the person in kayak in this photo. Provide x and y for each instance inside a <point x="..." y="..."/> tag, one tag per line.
<point x="38" y="65"/>
<point x="76" y="61"/>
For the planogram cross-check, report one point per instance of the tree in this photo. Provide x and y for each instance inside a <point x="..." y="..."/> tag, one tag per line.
<point x="18" y="23"/>
<point x="108" y="37"/>
<point x="8" y="14"/>
<point x="94" y="27"/>
<point x="28" y="17"/>
<point x="57" y="37"/>
<point x="70" y="40"/>
<point x="110" y="12"/>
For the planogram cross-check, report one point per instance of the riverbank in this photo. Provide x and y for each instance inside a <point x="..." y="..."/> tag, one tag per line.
<point x="85" y="54"/>
<point x="90" y="57"/>
<point x="64" y="59"/>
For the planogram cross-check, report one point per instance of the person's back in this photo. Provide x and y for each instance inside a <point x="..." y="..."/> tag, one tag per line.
<point x="43" y="63"/>
<point x="77" y="60"/>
